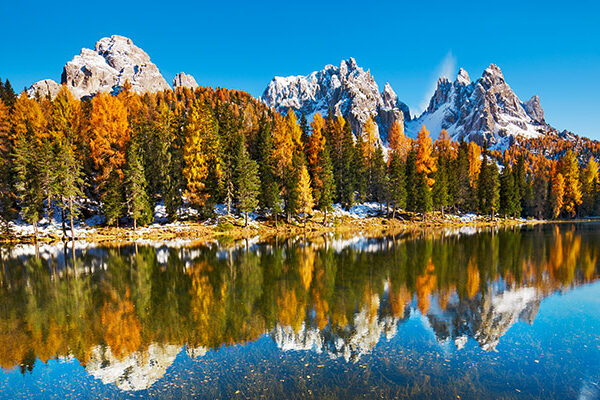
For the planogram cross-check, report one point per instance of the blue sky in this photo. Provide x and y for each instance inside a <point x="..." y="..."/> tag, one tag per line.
<point x="547" y="48"/>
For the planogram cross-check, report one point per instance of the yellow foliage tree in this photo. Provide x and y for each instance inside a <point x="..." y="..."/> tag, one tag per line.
<point x="400" y="144"/>
<point x="557" y="192"/>
<point x="109" y="136"/>
<point x="369" y="132"/>
<point x="474" y="162"/>
<point x="305" y="198"/>
<point x="199" y="151"/>
<point x="65" y="118"/>
<point x="570" y="172"/>
<point x="27" y="115"/>
<point x="425" y="159"/>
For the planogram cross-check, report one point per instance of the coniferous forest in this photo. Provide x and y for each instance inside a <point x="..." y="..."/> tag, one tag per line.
<point x="121" y="155"/>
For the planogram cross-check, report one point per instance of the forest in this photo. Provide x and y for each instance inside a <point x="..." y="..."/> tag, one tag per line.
<point x="121" y="155"/>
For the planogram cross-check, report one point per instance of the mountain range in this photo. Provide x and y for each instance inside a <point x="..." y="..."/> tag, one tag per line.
<point x="484" y="110"/>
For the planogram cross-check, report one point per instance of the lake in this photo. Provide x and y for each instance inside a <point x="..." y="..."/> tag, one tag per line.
<point x="504" y="313"/>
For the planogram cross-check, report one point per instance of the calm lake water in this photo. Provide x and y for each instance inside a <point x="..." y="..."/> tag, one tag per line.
<point x="477" y="314"/>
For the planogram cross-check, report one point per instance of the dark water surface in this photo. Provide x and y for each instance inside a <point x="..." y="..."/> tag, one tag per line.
<point x="496" y="314"/>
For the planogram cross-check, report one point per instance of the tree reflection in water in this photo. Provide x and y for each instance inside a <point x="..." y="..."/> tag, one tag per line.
<point x="126" y="312"/>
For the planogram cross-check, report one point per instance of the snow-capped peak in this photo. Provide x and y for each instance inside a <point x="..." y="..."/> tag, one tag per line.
<point x="347" y="90"/>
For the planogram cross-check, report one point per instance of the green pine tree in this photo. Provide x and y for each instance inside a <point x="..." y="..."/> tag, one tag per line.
<point x="28" y="181"/>
<point x="396" y="183"/>
<point x="69" y="182"/>
<point x="412" y="181"/>
<point x="139" y="207"/>
<point x="247" y="183"/>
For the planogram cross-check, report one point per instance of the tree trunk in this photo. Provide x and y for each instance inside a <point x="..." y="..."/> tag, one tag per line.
<point x="64" y="225"/>
<point x="325" y="216"/>
<point x="442" y="211"/>
<point x="245" y="219"/>
<point x="71" y="217"/>
<point x="394" y="211"/>
<point x="134" y="224"/>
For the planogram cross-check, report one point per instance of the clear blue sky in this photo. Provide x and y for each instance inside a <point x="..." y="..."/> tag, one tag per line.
<point x="543" y="47"/>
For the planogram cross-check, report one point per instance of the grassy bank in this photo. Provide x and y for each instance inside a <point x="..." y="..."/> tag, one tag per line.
<point x="232" y="227"/>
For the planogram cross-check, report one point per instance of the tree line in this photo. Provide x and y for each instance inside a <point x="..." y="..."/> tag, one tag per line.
<point x="120" y="155"/>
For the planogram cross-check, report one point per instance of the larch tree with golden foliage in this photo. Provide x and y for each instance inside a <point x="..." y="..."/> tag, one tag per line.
<point x="425" y="168"/>
<point x="305" y="198"/>
<point x="198" y="152"/>
<point x="570" y="172"/>
<point x="109" y="137"/>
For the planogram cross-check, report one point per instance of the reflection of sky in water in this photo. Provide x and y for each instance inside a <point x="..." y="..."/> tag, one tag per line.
<point x="502" y="340"/>
<point x="557" y="356"/>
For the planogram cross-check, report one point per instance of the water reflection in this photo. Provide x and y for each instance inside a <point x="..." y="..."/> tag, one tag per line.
<point x="125" y="313"/>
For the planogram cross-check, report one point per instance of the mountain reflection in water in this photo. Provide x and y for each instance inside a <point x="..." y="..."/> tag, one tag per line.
<point x="125" y="313"/>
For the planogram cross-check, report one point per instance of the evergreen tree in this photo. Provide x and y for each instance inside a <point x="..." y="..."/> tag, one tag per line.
<point x="113" y="200"/>
<point x="28" y="179"/>
<point x="359" y="171"/>
<point x="412" y="181"/>
<point x="379" y="179"/>
<point x="510" y="204"/>
<point x="488" y="186"/>
<point x="423" y="195"/>
<point x="397" y="183"/>
<point x="462" y="192"/>
<point x="541" y="183"/>
<point x="139" y="206"/>
<point x="441" y="192"/>
<point x="247" y="183"/>
<point x="69" y="181"/>
<point x="269" y="192"/>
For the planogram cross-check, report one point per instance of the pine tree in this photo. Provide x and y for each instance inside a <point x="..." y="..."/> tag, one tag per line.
<point x="139" y="207"/>
<point x="510" y="204"/>
<point x="462" y="192"/>
<point x="411" y="181"/>
<point x="541" y="182"/>
<point x="69" y="181"/>
<point x="379" y="179"/>
<point x="319" y="166"/>
<point x="28" y="183"/>
<point x="247" y="183"/>
<point x="397" y="182"/>
<point x="488" y="186"/>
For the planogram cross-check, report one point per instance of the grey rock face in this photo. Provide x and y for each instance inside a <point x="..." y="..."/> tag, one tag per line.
<point x="534" y="109"/>
<point x="348" y="90"/>
<point x="486" y="110"/>
<point x="46" y="87"/>
<point x="184" y="80"/>
<point x="114" y="61"/>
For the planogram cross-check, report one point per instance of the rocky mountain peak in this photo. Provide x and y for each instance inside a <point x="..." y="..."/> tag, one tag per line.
<point x="486" y="110"/>
<point x="348" y="90"/>
<point x="43" y="88"/>
<point x="463" y="77"/>
<point x="113" y="61"/>
<point x="184" y="80"/>
<point x="534" y="109"/>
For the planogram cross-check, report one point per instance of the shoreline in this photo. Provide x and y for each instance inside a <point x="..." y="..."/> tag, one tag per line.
<point x="232" y="227"/>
